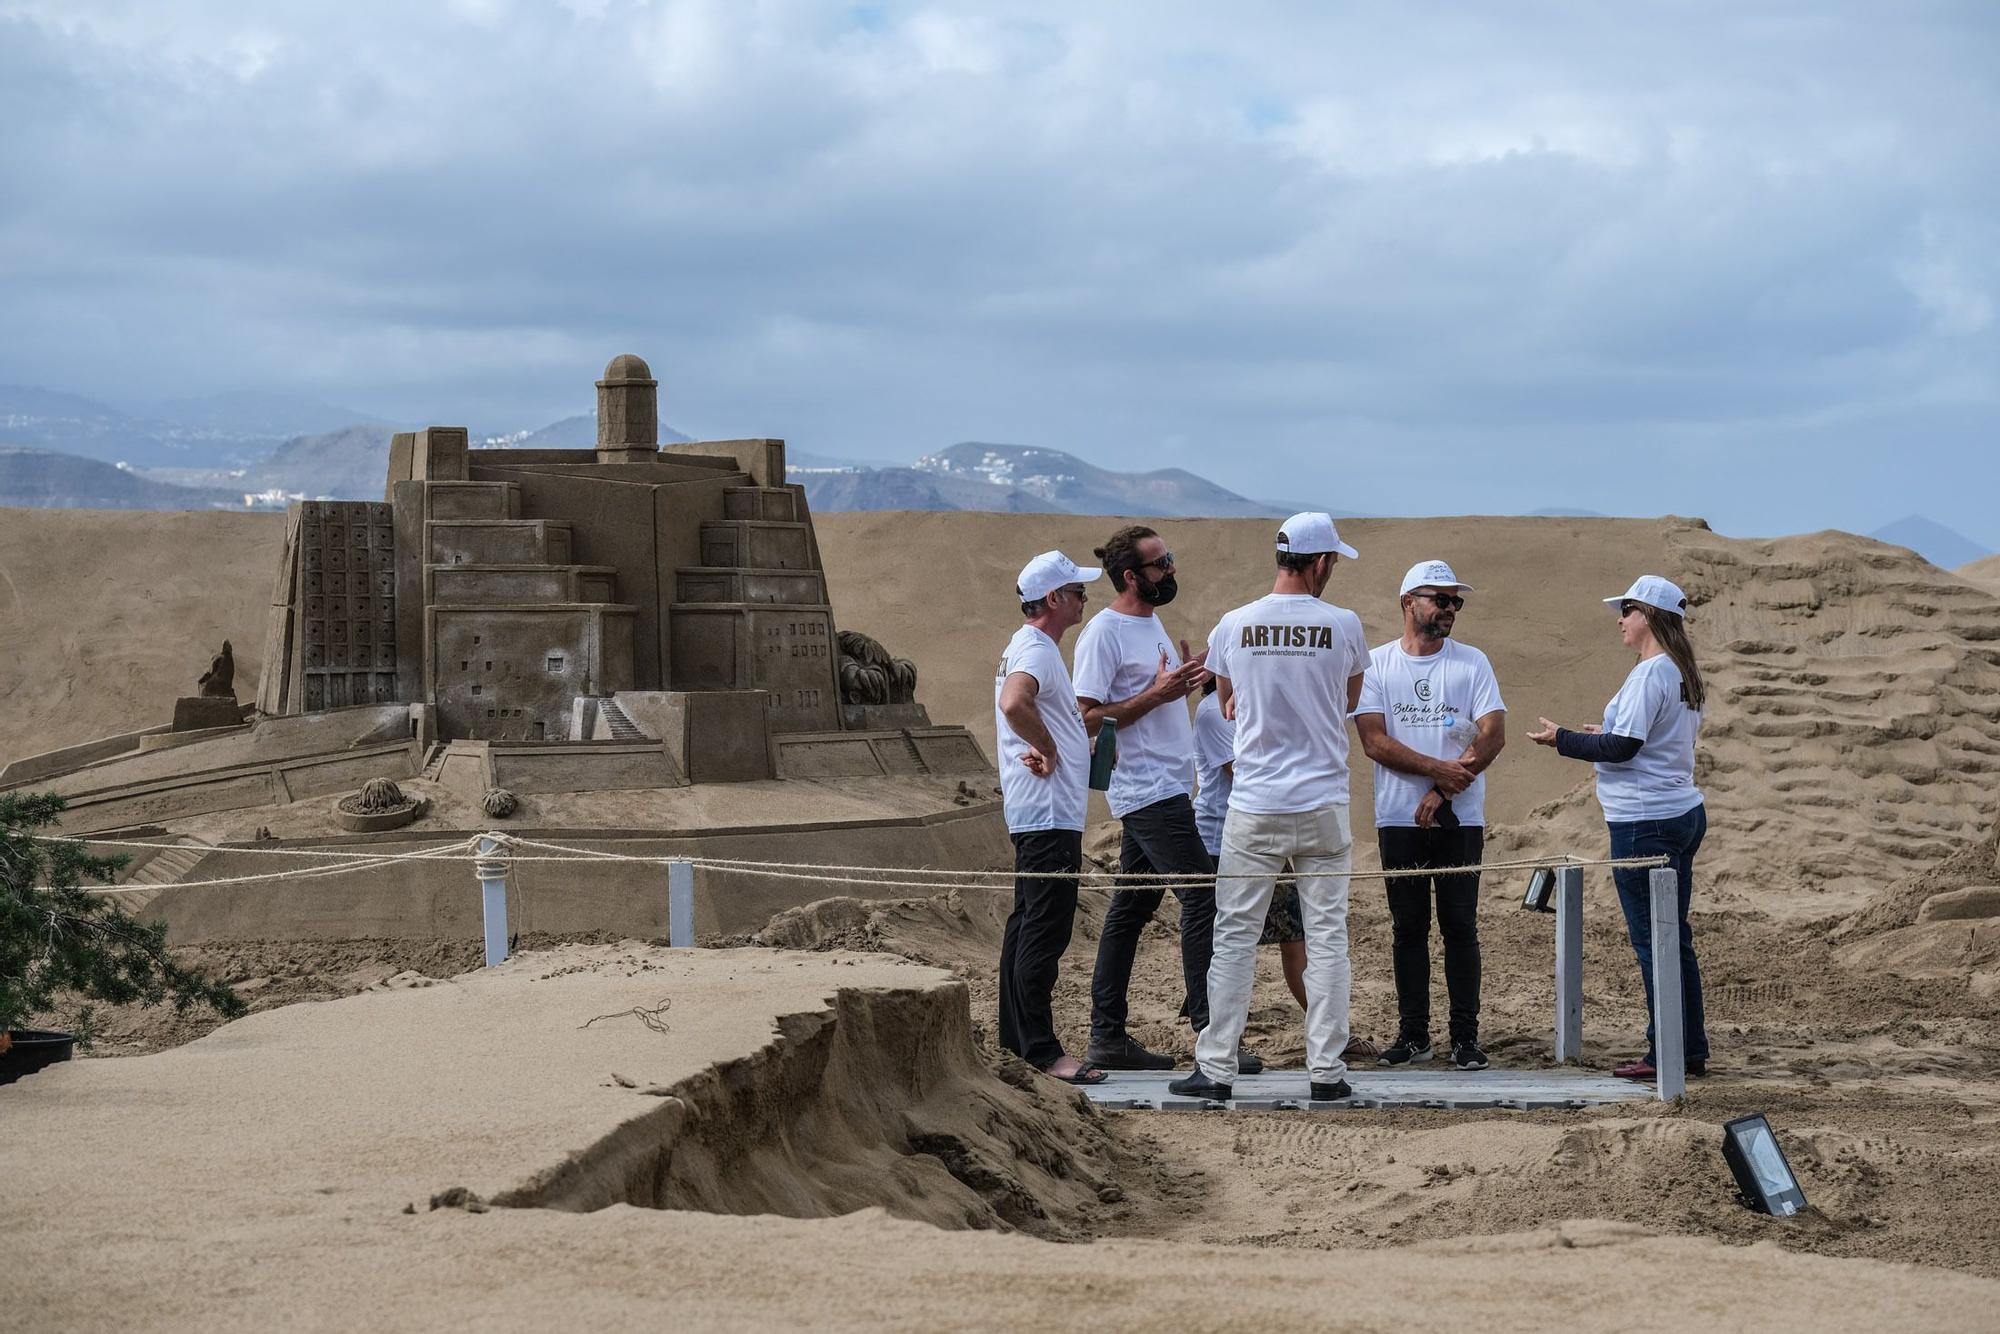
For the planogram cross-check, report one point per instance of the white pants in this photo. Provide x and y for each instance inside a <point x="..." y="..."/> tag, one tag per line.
<point x="1320" y="850"/>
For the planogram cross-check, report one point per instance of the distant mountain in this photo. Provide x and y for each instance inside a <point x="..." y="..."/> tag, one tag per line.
<point x="44" y="479"/>
<point x="349" y="464"/>
<point x="1932" y="540"/>
<point x="71" y="424"/>
<point x="260" y="415"/>
<point x="1063" y="483"/>
<point x="829" y="490"/>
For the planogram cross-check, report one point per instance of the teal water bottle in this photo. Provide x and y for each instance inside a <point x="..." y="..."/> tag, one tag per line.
<point x="1104" y="755"/>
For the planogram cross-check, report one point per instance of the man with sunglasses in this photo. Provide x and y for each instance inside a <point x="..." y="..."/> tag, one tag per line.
<point x="1044" y="758"/>
<point x="1130" y="671"/>
<point x="1432" y="719"/>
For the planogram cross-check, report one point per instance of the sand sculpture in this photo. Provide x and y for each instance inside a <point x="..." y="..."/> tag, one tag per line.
<point x="624" y="622"/>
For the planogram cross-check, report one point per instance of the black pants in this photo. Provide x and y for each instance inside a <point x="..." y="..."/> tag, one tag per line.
<point x="1425" y="850"/>
<point x="1037" y="934"/>
<point x="1160" y="839"/>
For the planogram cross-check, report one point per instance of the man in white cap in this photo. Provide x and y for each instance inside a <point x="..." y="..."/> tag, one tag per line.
<point x="1044" y="758"/>
<point x="1432" y="719"/>
<point x="1288" y="669"/>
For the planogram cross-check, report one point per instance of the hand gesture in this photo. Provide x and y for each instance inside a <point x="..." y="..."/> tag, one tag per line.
<point x="1172" y="683"/>
<point x="1545" y="735"/>
<point x="1452" y="776"/>
<point x="1039" y="763"/>
<point x="1428" y="808"/>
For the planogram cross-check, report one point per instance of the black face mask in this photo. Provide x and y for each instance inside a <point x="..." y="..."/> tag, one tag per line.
<point x="1152" y="594"/>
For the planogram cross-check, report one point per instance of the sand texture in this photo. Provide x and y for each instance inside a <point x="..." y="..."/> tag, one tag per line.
<point x="487" y="1149"/>
<point x="1851" y="759"/>
<point x="1985" y="572"/>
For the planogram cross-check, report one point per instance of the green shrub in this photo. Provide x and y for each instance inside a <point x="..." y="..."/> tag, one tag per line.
<point x="57" y="938"/>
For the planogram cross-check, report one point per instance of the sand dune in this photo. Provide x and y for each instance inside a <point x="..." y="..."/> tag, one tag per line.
<point x="1984" y="572"/>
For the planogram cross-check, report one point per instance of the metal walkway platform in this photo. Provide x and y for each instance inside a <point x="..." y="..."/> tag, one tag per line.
<point x="1437" y="1086"/>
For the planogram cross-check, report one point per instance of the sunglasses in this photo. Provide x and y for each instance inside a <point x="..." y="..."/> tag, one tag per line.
<point x="1626" y="609"/>
<point x="1445" y="601"/>
<point x="1165" y="562"/>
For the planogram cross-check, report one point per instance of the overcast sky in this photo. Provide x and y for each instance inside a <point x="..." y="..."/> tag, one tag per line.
<point x="1739" y="260"/>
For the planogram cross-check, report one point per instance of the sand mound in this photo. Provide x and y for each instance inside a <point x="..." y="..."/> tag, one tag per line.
<point x="1984" y="572"/>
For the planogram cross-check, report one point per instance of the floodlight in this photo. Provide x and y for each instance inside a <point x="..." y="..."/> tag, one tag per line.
<point x="1763" y="1177"/>
<point x="1541" y="895"/>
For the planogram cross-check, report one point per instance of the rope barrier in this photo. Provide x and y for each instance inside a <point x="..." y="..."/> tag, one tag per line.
<point x="492" y="853"/>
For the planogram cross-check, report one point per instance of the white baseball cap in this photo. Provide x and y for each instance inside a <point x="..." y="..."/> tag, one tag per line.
<point x="1434" y="573"/>
<point x="1654" y="591"/>
<point x="1049" y="571"/>
<point x="1313" y="534"/>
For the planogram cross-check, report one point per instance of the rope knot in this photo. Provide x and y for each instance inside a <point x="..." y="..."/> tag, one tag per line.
<point x="492" y="855"/>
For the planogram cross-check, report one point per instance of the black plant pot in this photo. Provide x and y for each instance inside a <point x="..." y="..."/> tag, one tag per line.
<point x="33" y="1048"/>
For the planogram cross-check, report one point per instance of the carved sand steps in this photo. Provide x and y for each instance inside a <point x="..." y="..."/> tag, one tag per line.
<point x="159" y="871"/>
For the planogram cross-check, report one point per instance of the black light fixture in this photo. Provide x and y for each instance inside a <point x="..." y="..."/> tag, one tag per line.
<point x="1763" y="1177"/>
<point x="1541" y="895"/>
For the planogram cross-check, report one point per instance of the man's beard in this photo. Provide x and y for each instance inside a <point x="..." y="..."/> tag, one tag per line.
<point x="1435" y="628"/>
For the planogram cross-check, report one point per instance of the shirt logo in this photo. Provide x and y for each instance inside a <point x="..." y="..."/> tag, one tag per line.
<point x="1423" y="689"/>
<point x="1287" y="636"/>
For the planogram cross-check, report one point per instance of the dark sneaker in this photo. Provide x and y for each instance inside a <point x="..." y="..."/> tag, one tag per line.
<point x="1467" y="1056"/>
<point x="1248" y="1062"/>
<point x="1333" y="1092"/>
<point x="1199" y="1085"/>
<point x="1404" y="1052"/>
<point x="1126" y="1054"/>
<point x="1697" y="1068"/>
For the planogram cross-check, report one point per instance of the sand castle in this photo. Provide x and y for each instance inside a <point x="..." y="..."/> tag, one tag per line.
<point x="612" y="634"/>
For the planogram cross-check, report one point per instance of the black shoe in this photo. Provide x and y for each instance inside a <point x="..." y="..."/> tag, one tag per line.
<point x="1126" y="1054"/>
<point x="1333" y="1092"/>
<point x="1405" y="1051"/>
<point x="1199" y="1085"/>
<point x="1467" y="1056"/>
<point x="1697" y="1069"/>
<point x="1248" y="1062"/>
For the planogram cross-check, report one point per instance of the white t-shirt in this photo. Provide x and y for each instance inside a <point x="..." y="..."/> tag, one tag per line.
<point x="1117" y="657"/>
<point x="1214" y="747"/>
<point x="1430" y="705"/>
<point x="1288" y="658"/>
<point x="1658" y="782"/>
<point x="1061" y="800"/>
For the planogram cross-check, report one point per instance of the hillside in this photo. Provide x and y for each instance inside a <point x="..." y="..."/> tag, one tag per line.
<point x="1069" y="485"/>
<point x="45" y="479"/>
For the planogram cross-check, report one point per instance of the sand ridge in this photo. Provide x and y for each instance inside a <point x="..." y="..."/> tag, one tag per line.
<point x="295" y="1148"/>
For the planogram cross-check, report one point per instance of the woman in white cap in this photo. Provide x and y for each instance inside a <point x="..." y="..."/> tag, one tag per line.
<point x="1644" y="753"/>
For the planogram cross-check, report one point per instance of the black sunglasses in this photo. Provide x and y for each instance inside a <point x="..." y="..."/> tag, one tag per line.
<point x="1444" y="600"/>
<point x="1626" y="609"/>
<point x="1165" y="562"/>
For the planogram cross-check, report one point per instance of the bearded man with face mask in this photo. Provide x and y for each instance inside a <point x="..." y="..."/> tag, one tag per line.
<point x="1130" y="670"/>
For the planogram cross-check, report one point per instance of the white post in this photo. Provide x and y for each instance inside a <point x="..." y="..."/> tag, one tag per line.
<point x="680" y="903"/>
<point x="1669" y="1041"/>
<point x="1569" y="964"/>
<point x="491" y="868"/>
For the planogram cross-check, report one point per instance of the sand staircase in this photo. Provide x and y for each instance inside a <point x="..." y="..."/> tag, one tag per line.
<point x="159" y="871"/>
<point x="622" y="728"/>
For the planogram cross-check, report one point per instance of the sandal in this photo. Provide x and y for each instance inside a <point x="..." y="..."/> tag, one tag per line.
<point x="1086" y="1074"/>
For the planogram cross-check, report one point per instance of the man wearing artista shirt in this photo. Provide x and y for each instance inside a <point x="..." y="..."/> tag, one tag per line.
<point x="1288" y="669"/>
<point x="1432" y="720"/>
<point x="1044" y="758"/>
<point x="1129" y="671"/>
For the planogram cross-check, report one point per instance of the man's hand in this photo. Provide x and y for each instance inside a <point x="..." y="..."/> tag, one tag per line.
<point x="1545" y="735"/>
<point x="1172" y="683"/>
<point x="1452" y="776"/>
<point x="1428" y="808"/>
<point x="1039" y="763"/>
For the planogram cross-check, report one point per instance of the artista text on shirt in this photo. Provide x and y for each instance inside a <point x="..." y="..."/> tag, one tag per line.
<point x="1286" y="637"/>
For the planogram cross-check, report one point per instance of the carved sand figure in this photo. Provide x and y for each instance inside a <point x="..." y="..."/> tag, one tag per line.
<point x="219" y="681"/>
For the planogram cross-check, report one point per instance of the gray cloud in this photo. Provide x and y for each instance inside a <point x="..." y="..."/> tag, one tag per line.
<point x="1715" y="260"/>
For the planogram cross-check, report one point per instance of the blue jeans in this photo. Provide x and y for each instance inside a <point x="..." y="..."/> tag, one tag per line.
<point x="1676" y="839"/>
